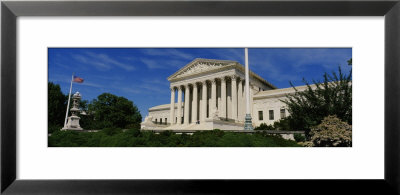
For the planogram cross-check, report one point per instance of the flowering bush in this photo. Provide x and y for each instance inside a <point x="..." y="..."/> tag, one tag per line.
<point x="331" y="132"/>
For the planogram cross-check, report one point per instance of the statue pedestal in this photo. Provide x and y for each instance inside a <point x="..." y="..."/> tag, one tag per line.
<point x="73" y="124"/>
<point x="248" y="124"/>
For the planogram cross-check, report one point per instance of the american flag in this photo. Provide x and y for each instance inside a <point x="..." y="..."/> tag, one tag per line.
<point x="78" y="79"/>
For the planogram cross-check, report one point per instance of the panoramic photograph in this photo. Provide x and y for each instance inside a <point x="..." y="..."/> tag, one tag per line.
<point x="199" y="97"/>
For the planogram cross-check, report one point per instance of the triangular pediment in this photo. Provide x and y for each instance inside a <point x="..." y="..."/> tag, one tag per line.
<point x="199" y="65"/>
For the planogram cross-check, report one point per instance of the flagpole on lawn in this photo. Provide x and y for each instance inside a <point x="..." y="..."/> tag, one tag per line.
<point x="247" y="124"/>
<point x="69" y="99"/>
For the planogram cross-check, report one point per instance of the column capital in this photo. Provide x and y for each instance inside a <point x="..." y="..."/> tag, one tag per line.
<point x="233" y="77"/>
<point x="214" y="81"/>
<point x="203" y="82"/>
<point x="172" y="89"/>
<point x="223" y="79"/>
<point x="194" y="85"/>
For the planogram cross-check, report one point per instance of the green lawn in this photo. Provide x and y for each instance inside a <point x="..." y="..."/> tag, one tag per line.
<point x="136" y="138"/>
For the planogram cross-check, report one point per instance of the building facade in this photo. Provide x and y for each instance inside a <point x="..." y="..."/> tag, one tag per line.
<point x="210" y="94"/>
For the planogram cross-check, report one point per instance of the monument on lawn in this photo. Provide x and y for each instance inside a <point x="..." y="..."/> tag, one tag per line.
<point x="73" y="120"/>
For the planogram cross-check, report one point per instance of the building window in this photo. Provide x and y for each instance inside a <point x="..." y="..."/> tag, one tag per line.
<point x="165" y="121"/>
<point x="283" y="113"/>
<point x="160" y="120"/>
<point x="271" y="115"/>
<point x="156" y="121"/>
<point x="260" y="115"/>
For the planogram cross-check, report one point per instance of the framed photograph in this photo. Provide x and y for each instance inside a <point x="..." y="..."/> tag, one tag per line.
<point x="98" y="104"/>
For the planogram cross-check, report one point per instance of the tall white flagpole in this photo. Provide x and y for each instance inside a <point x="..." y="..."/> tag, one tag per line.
<point x="247" y="124"/>
<point x="69" y="99"/>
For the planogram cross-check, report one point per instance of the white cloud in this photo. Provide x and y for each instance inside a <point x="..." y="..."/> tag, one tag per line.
<point x="130" y="90"/>
<point x="93" y="62"/>
<point x="103" y="58"/>
<point x="85" y="83"/>
<point x="152" y="64"/>
<point x="167" y="52"/>
<point x="231" y="54"/>
<point x="101" y="62"/>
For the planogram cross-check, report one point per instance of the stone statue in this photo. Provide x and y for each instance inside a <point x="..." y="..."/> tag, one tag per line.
<point x="73" y="120"/>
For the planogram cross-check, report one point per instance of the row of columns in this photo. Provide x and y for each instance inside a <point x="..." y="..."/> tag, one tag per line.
<point x="222" y="109"/>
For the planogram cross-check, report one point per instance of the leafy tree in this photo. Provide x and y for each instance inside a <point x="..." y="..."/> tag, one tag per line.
<point x="57" y="105"/>
<point x="110" y="110"/>
<point x="333" y="96"/>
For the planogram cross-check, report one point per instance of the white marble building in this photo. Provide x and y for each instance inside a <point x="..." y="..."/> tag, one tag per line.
<point x="211" y="95"/>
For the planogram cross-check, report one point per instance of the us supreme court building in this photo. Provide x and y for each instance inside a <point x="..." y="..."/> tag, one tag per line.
<point x="210" y="94"/>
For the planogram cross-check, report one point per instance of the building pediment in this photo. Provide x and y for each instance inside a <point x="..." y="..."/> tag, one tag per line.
<point x="199" y="65"/>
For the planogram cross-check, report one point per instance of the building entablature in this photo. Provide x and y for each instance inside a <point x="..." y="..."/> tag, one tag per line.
<point x="226" y="75"/>
<point x="203" y="67"/>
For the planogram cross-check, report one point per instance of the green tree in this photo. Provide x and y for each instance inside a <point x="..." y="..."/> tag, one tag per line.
<point x="333" y="96"/>
<point x="110" y="110"/>
<point x="57" y="105"/>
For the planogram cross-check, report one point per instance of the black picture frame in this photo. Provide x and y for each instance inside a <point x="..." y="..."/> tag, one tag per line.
<point x="10" y="10"/>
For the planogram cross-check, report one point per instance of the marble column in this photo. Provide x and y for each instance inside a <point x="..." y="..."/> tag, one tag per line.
<point x="234" y="98"/>
<point x="240" y="105"/>
<point x="172" y="107"/>
<point x="187" y="101"/>
<point x="179" y="107"/>
<point x="213" y="97"/>
<point x="223" y="98"/>
<point x="203" y="113"/>
<point x="194" y="104"/>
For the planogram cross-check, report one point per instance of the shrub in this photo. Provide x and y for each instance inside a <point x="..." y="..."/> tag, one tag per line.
<point x="54" y="128"/>
<point x="284" y="125"/>
<point x="331" y="132"/>
<point x="264" y="126"/>
<point x="299" y="137"/>
<point x="111" y="131"/>
<point x="112" y="137"/>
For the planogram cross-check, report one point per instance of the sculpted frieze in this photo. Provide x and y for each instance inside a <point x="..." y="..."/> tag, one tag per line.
<point x="201" y="67"/>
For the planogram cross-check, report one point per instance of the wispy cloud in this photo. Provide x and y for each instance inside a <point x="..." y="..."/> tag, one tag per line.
<point x="272" y="71"/>
<point x="152" y="64"/>
<point x="100" y="61"/>
<point x="231" y="54"/>
<point x="157" y="64"/>
<point x="96" y="64"/>
<point x="107" y="59"/>
<point x="131" y="90"/>
<point x="90" y="84"/>
<point x="323" y="57"/>
<point x="168" y="53"/>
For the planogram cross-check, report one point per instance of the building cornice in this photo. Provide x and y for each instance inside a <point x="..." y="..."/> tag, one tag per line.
<point x="220" y="64"/>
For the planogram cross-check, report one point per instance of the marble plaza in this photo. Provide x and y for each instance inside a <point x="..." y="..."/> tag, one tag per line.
<point x="211" y="95"/>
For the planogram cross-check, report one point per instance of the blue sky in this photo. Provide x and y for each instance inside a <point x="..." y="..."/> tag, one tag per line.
<point x="140" y="74"/>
